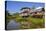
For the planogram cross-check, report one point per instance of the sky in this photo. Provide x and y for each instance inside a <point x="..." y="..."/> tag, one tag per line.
<point x="15" y="6"/>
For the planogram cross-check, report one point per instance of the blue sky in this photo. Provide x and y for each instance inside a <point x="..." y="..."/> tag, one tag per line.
<point x="15" y="6"/>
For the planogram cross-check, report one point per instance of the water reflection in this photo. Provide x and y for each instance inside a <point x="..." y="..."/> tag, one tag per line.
<point x="13" y="25"/>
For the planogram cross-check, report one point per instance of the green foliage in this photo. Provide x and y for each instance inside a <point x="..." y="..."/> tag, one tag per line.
<point x="35" y="22"/>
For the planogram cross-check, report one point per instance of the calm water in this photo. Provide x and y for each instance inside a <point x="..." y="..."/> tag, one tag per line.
<point x="13" y="25"/>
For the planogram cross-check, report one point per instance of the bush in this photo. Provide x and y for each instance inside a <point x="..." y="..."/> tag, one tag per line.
<point x="38" y="15"/>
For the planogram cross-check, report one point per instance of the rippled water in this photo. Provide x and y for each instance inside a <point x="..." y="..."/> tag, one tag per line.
<point x="13" y="25"/>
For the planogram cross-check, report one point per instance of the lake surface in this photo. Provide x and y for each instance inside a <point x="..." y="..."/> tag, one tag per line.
<point x="12" y="25"/>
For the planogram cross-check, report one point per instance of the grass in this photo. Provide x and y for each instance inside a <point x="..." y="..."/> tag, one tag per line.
<point x="35" y="22"/>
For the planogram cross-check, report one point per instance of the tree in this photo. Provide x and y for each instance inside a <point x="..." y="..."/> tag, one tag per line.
<point x="43" y="9"/>
<point x="7" y="13"/>
<point x="25" y="8"/>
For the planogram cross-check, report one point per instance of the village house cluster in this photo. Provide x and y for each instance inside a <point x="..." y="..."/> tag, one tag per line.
<point x="37" y="12"/>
